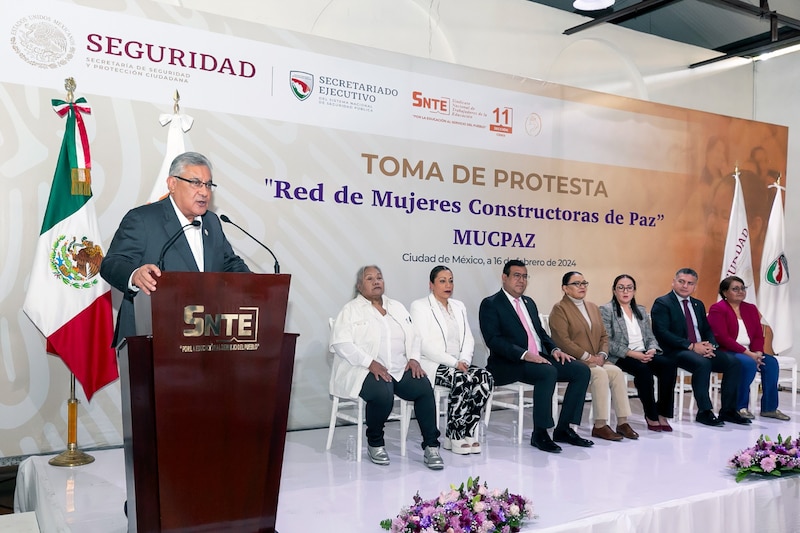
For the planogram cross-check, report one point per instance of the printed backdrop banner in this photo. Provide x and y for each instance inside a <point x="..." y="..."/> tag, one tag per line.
<point x="337" y="156"/>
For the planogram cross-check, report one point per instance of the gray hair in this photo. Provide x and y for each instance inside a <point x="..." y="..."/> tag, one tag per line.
<point x="188" y="159"/>
<point x="360" y="277"/>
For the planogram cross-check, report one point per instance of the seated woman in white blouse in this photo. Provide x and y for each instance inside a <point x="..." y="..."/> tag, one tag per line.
<point x="377" y="357"/>
<point x="446" y="357"/>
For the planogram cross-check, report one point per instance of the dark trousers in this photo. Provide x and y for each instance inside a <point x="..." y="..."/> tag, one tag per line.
<point x="379" y="396"/>
<point x="543" y="377"/>
<point x="662" y="367"/>
<point x="701" y="368"/>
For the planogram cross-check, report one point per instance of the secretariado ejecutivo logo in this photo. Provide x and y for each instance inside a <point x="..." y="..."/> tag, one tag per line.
<point x="42" y="41"/>
<point x="345" y="93"/>
<point x="301" y="83"/>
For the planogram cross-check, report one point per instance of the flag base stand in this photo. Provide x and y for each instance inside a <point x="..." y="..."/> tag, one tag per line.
<point x="71" y="457"/>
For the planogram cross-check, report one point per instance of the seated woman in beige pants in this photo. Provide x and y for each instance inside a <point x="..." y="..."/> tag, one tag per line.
<point x="577" y="328"/>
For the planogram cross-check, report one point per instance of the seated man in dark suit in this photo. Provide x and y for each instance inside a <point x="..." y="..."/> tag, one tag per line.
<point x="682" y="330"/>
<point x="520" y="350"/>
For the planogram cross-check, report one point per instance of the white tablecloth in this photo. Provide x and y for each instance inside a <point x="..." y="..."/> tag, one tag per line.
<point x="80" y="499"/>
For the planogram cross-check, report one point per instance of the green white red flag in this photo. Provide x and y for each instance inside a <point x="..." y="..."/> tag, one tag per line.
<point x="66" y="299"/>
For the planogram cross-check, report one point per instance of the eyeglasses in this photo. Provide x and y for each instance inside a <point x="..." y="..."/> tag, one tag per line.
<point x="196" y="183"/>
<point x="579" y="284"/>
<point x="738" y="289"/>
<point x="517" y="275"/>
<point x="626" y="288"/>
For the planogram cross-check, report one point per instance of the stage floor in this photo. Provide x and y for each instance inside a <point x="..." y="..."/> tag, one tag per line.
<point x="662" y="482"/>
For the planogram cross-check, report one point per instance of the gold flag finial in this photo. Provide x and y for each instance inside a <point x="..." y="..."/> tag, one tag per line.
<point x="778" y="180"/>
<point x="176" y="106"/>
<point x="70" y="86"/>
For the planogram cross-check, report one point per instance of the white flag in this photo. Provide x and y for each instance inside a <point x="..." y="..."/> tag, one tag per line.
<point x="773" y="296"/>
<point x="737" y="260"/>
<point x="176" y="145"/>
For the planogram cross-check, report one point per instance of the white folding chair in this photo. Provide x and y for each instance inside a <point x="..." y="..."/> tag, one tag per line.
<point x="785" y="364"/>
<point x="357" y="418"/>
<point x="682" y="387"/>
<point x="519" y="401"/>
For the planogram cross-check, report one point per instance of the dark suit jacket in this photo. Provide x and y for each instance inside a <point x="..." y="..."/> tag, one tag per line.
<point x="725" y="326"/>
<point x="669" y="323"/>
<point x="138" y="241"/>
<point x="505" y="336"/>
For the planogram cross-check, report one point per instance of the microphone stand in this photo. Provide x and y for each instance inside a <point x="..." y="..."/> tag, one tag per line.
<point x="227" y="220"/>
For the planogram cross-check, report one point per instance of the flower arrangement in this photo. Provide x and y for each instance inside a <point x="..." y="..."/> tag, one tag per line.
<point x="470" y="508"/>
<point x="768" y="458"/>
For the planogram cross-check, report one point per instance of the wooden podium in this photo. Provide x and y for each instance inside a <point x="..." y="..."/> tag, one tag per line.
<point x="205" y="404"/>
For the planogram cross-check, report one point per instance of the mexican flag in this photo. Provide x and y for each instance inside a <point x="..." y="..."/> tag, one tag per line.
<point x="66" y="298"/>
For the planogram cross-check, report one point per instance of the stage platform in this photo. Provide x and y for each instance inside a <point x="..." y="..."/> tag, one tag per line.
<point x="663" y="482"/>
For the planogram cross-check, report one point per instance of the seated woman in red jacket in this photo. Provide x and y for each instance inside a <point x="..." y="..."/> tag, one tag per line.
<point x="737" y="327"/>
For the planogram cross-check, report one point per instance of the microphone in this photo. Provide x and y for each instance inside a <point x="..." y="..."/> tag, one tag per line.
<point x="172" y="240"/>
<point x="227" y="220"/>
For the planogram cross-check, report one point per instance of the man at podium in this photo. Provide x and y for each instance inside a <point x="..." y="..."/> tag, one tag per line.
<point x="177" y="233"/>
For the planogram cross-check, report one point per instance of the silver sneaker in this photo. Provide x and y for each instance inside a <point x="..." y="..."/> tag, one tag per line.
<point x="378" y="455"/>
<point x="432" y="458"/>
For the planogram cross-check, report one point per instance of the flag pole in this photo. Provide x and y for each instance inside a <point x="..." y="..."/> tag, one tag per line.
<point x="72" y="456"/>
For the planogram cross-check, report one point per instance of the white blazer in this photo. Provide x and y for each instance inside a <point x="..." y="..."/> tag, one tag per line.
<point x="429" y="320"/>
<point x="358" y="323"/>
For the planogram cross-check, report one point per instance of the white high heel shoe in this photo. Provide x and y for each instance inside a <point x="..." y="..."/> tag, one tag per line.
<point x="474" y="445"/>
<point x="457" y="446"/>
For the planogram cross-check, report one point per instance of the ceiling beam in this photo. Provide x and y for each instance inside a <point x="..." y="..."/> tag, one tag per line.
<point x="758" y="49"/>
<point x="762" y="11"/>
<point x="630" y="12"/>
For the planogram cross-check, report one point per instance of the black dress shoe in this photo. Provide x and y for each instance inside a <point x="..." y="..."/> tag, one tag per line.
<point x="541" y="440"/>
<point x="708" y="418"/>
<point x="570" y="437"/>
<point x="733" y="416"/>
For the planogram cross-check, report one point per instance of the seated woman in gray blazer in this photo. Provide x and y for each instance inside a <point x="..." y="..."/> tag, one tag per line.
<point x="446" y="357"/>
<point x="633" y="348"/>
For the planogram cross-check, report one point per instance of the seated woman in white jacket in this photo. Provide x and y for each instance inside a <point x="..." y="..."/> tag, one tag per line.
<point x="446" y="357"/>
<point x="377" y="357"/>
